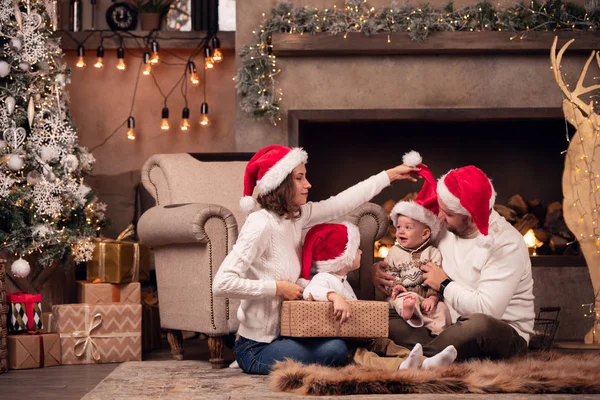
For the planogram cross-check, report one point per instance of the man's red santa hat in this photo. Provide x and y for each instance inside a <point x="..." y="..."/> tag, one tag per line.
<point x="267" y="169"/>
<point x="468" y="191"/>
<point x="330" y="247"/>
<point x="424" y="208"/>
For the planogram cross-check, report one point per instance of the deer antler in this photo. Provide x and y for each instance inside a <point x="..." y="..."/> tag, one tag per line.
<point x="573" y="96"/>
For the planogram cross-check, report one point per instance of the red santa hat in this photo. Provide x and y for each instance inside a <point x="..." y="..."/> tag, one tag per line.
<point x="468" y="191"/>
<point x="330" y="246"/>
<point x="425" y="206"/>
<point x="267" y="169"/>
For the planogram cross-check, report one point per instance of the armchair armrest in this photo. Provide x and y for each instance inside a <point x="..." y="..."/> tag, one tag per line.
<point x="371" y="220"/>
<point x="183" y="223"/>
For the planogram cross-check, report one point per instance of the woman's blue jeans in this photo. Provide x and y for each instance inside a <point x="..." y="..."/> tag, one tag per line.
<point x="258" y="358"/>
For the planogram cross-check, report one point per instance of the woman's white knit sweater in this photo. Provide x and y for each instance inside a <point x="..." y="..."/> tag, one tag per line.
<point x="269" y="249"/>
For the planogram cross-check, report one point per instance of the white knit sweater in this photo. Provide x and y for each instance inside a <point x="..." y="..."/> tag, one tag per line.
<point x="324" y="283"/>
<point x="269" y="249"/>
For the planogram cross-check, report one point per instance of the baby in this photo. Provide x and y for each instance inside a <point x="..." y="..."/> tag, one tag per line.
<point x="417" y="227"/>
<point x="334" y="250"/>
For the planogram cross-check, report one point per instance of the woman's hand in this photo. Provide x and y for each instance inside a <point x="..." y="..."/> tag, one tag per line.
<point x="341" y="308"/>
<point x="381" y="279"/>
<point x="289" y="290"/>
<point x="403" y="172"/>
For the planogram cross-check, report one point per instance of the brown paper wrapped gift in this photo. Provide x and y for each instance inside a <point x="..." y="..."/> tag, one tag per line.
<point x="48" y="322"/>
<point x="118" y="261"/>
<point x="33" y="351"/>
<point x="101" y="333"/>
<point x="106" y="293"/>
<point x="369" y="319"/>
<point x="3" y="318"/>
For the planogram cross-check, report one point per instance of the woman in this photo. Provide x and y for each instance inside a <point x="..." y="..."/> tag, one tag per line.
<point x="265" y="263"/>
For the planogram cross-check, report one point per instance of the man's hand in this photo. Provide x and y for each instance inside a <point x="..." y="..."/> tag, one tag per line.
<point x="341" y="308"/>
<point x="429" y="303"/>
<point x="289" y="290"/>
<point x="382" y="280"/>
<point x="433" y="275"/>
<point x="397" y="290"/>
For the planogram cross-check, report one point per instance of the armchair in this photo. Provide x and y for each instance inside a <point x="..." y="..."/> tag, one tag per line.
<point x="193" y="227"/>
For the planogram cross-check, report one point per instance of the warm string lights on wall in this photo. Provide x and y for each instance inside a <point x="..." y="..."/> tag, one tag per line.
<point x="209" y="49"/>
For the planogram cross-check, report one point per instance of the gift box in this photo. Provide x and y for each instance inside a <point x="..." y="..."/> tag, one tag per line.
<point x="119" y="261"/>
<point x="3" y="316"/>
<point x="99" y="333"/>
<point x="106" y="293"/>
<point x="33" y="351"/>
<point x="48" y="323"/>
<point x="368" y="319"/>
<point x="24" y="312"/>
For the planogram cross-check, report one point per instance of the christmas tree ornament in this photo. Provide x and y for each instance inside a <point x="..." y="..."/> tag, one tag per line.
<point x="16" y="44"/>
<point x="18" y="16"/>
<point x="10" y="104"/>
<point x="48" y="173"/>
<point x="34" y="177"/>
<point x="20" y="268"/>
<point x="24" y="66"/>
<point x="15" y="162"/>
<point x="30" y="111"/>
<point x="60" y="78"/>
<point x="4" y="69"/>
<point x="2" y="144"/>
<point x="49" y="153"/>
<point x="14" y="136"/>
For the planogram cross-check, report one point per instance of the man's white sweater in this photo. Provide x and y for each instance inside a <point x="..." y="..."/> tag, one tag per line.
<point x="495" y="281"/>
<point x="269" y="249"/>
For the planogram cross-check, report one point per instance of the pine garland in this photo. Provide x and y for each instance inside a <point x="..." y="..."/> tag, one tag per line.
<point x="255" y="79"/>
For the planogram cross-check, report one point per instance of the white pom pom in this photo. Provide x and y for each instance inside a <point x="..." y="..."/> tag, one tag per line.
<point x="412" y="158"/>
<point x="20" y="268"/>
<point x="485" y="241"/>
<point x="248" y="204"/>
<point x="15" y="162"/>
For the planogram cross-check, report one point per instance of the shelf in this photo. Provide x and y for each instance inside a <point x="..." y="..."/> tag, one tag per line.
<point x="357" y="44"/>
<point x="166" y="40"/>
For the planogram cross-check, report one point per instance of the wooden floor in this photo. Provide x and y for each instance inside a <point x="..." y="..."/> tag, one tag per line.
<point x="67" y="382"/>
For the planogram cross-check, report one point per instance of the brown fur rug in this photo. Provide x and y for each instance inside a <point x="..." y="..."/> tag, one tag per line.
<point x="537" y="373"/>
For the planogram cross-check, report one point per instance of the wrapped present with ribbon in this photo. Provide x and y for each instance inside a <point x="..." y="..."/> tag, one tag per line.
<point x="33" y="351"/>
<point x="119" y="261"/>
<point x="24" y="312"/>
<point x="98" y="292"/>
<point x="100" y="333"/>
<point x="48" y="323"/>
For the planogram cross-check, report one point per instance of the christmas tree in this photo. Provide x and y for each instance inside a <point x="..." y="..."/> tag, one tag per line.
<point x="46" y="210"/>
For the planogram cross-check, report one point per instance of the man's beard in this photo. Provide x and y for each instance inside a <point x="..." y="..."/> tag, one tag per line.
<point x="462" y="231"/>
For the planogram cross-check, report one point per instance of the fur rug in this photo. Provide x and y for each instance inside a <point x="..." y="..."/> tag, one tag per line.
<point x="537" y="373"/>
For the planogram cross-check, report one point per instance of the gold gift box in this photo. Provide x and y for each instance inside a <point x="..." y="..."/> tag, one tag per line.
<point x="116" y="261"/>
<point x="106" y="293"/>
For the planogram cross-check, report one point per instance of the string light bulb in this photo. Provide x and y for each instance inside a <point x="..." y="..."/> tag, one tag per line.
<point x="147" y="66"/>
<point x="164" y="125"/>
<point x="185" y="119"/>
<point x="154" y="58"/>
<point x="121" y="59"/>
<point x="208" y="60"/>
<point x="130" y="130"/>
<point x="80" y="54"/>
<point x="204" y="120"/>
<point x="194" y="78"/>
<point x="100" y="55"/>
<point x="217" y="55"/>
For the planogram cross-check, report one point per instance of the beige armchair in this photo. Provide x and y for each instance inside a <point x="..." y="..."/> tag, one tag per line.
<point x="193" y="227"/>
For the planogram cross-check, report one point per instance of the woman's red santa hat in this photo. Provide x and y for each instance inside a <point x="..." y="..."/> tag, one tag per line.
<point x="424" y="208"/>
<point x="267" y="169"/>
<point x="468" y="191"/>
<point x="330" y="247"/>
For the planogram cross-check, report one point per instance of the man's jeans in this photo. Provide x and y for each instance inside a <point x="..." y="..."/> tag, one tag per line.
<point x="258" y="358"/>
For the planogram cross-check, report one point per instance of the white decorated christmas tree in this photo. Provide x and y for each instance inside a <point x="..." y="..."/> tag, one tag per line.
<point x="46" y="210"/>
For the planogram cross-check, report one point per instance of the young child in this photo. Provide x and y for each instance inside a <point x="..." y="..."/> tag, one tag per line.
<point x="333" y="249"/>
<point x="417" y="227"/>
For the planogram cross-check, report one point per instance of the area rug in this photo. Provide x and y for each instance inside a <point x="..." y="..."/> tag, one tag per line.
<point x="538" y="373"/>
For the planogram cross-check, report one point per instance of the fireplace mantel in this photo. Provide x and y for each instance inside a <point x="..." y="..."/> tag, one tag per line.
<point x="357" y="44"/>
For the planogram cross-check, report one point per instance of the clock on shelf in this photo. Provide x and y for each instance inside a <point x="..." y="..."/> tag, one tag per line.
<point x="121" y="17"/>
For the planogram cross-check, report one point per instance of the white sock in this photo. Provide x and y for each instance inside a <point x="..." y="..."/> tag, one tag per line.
<point x="413" y="359"/>
<point x="441" y="359"/>
<point x="234" y="365"/>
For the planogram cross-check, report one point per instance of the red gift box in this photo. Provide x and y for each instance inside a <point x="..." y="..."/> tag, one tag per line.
<point x="24" y="312"/>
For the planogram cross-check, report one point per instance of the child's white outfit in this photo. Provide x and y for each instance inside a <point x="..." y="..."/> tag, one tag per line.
<point x="325" y="282"/>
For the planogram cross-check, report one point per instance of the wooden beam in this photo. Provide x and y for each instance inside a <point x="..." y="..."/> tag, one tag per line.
<point x="357" y="44"/>
<point x="166" y="40"/>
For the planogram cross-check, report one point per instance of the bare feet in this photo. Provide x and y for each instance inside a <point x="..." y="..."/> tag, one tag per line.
<point x="441" y="359"/>
<point x="408" y="307"/>
<point x="413" y="359"/>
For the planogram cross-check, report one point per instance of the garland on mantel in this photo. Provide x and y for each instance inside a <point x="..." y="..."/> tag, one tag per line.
<point x="256" y="77"/>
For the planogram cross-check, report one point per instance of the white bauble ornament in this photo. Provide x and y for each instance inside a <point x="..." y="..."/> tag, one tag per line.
<point x="49" y="175"/>
<point x="4" y="69"/>
<point x="24" y="66"/>
<point x="49" y="153"/>
<point x="60" y="78"/>
<point x="16" y="44"/>
<point x="34" y="177"/>
<point x="10" y="104"/>
<point x="20" y="268"/>
<point x="2" y="144"/>
<point x="15" y="162"/>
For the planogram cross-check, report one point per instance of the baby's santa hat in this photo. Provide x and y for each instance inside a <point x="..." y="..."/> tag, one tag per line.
<point x="424" y="208"/>
<point x="468" y="191"/>
<point x="330" y="246"/>
<point x="267" y="169"/>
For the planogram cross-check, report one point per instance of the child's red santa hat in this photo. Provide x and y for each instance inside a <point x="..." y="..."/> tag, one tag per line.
<point x="468" y="191"/>
<point x="330" y="247"/>
<point x="425" y="206"/>
<point x="267" y="169"/>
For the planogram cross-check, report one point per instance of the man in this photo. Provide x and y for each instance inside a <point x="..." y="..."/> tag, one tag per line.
<point x="486" y="278"/>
